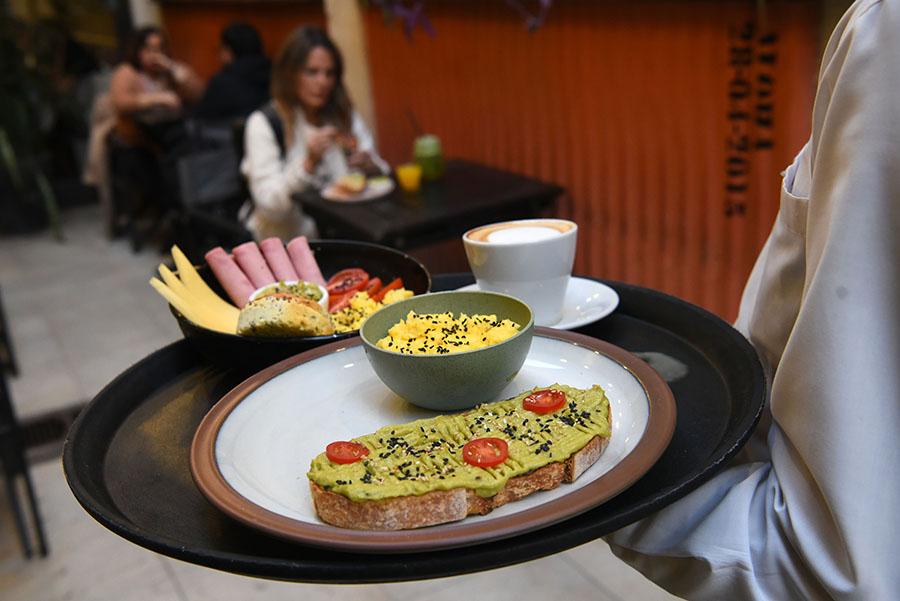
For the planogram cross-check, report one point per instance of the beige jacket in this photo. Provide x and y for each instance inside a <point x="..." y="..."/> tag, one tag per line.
<point x="814" y="511"/>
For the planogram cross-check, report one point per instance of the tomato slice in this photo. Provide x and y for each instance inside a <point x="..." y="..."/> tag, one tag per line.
<point x="347" y="280"/>
<point x="395" y="284"/>
<point x="373" y="287"/>
<point x="485" y="452"/>
<point x="340" y="301"/>
<point x="545" y="401"/>
<point x="343" y="451"/>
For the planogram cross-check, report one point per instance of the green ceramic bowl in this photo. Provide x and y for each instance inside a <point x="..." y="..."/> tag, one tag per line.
<point x="456" y="380"/>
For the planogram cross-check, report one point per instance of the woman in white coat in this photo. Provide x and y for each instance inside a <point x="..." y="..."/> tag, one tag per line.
<point x="813" y="510"/>
<point x="308" y="137"/>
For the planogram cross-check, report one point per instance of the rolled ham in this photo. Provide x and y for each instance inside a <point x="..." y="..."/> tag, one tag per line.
<point x="253" y="264"/>
<point x="304" y="262"/>
<point x="278" y="259"/>
<point x="233" y="280"/>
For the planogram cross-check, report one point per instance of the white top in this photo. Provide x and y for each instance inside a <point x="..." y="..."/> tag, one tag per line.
<point x="273" y="181"/>
<point x="812" y="508"/>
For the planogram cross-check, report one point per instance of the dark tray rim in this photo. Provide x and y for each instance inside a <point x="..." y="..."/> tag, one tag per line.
<point x="438" y="563"/>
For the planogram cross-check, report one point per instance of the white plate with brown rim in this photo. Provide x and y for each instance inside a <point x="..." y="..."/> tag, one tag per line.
<point x="251" y="452"/>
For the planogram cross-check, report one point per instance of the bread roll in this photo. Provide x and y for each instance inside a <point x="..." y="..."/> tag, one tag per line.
<point x="284" y="315"/>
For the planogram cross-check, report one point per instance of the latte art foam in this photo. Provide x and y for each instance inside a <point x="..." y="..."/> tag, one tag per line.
<point x="520" y="232"/>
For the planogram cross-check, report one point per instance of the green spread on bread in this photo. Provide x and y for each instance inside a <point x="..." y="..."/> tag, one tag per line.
<point x="426" y="455"/>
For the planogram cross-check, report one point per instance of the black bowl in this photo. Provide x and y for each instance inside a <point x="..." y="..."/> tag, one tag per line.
<point x="229" y="350"/>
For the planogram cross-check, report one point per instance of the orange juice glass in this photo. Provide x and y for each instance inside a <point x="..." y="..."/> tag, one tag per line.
<point x="409" y="175"/>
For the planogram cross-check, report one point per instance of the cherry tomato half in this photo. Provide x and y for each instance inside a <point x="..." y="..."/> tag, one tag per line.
<point x="343" y="451"/>
<point x="545" y="401"/>
<point x="393" y="285"/>
<point x="339" y="302"/>
<point x="485" y="452"/>
<point x="373" y="287"/>
<point x="347" y="280"/>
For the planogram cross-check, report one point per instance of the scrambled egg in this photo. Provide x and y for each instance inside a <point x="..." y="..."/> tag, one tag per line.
<point x="361" y="306"/>
<point x="441" y="333"/>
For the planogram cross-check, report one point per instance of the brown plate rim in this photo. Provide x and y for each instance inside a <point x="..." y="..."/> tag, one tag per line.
<point x="655" y="439"/>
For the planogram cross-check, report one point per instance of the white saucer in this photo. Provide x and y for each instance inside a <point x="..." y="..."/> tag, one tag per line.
<point x="586" y="302"/>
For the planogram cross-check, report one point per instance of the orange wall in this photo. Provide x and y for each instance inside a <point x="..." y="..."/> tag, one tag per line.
<point x="194" y="28"/>
<point x="626" y="105"/>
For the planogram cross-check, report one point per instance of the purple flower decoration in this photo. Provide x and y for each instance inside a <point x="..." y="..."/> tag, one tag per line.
<point x="411" y="17"/>
<point x="532" y="21"/>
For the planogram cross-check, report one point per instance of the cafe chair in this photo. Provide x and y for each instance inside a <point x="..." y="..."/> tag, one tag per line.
<point x="211" y="193"/>
<point x="136" y="188"/>
<point x="7" y="356"/>
<point x="15" y="467"/>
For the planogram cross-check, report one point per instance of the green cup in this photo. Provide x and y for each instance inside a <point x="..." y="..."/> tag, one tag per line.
<point x="428" y="154"/>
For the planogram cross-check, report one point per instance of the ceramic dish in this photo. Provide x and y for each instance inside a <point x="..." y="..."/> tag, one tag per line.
<point x="586" y="301"/>
<point x="323" y="300"/>
<point x="452" y="381"/>
<point x="251" y="452"/>
<point x="375" y="188"/>
<point x="332" y="256"/>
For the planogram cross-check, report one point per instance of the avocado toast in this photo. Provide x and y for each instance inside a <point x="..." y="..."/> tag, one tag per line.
<point x="441" y="469"/>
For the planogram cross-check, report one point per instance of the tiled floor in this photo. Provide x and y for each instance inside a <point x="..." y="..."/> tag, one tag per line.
<point x="80" y="313"/>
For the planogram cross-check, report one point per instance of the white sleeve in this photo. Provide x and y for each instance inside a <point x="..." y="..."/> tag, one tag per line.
<point x="272" y="181"/>
<point x="366" y="143"/>
<point x="819" y="519"/>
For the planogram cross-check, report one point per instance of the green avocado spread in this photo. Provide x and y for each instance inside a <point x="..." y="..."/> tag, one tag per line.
<point x="426" y="455"/>
<point x="299" y="288"/>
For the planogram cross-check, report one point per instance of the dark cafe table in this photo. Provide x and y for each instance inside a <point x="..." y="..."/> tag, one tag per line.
<point x="467" y="195"/>
<point x="126" y="456"/>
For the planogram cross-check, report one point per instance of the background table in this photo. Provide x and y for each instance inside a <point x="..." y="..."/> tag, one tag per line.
<point x="467" y="195"/>
<point x="126" y="456"/>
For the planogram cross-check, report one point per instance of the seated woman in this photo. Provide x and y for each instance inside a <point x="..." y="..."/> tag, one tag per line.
<point x="144" y="101"/>
<point x="150" y="88"/>
<point x="308" y="137"/>
<point x="147" y="133"/>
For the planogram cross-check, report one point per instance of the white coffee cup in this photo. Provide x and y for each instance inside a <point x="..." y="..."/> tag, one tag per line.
<point x="530" y="259"/>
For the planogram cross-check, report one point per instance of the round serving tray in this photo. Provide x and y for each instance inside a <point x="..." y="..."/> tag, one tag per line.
<point x="127" y="455"/>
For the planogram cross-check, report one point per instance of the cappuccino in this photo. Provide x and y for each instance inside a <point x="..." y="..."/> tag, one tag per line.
<point x="530" y="259"/>
<point x="518" y="232"/>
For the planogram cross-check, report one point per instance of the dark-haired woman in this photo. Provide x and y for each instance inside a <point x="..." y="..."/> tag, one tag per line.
<point x="322" y="137"/>
<point x="150" y="87"/>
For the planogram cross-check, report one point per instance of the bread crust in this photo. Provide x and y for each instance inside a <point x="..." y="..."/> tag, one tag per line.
<point x="439" y="507"/>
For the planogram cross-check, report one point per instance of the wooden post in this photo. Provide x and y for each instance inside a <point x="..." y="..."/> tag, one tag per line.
<point x="346" y="26"/>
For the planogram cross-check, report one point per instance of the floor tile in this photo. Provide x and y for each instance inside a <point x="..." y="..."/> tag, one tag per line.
<point x="86" y="561"/>
<point x="200" y="584"/>
<point x="624" y="582"/>
<point x="546" y="578"/>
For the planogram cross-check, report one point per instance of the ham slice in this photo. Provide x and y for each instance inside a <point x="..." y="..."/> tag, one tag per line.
<point x="278" y="259"/>
<point x="233" y="280"/>
<point x="253" y="264"/>
<point x="304" y="261"/>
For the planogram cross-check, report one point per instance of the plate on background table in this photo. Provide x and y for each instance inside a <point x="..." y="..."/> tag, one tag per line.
<point x="586" y="302"/>
<point x="251" y="452"/>
<point x="376" y="187"/>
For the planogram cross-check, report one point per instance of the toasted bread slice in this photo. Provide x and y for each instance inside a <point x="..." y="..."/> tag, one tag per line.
<point x="418" y="473"/>
<point x="441" y="506"/>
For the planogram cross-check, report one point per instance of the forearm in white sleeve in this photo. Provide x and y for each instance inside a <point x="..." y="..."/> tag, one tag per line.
<point x="820" y="518"/>
<point x="271" y="179"/>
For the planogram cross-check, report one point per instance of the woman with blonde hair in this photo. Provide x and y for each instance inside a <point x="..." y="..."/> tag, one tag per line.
<point x="308" y="136"/>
